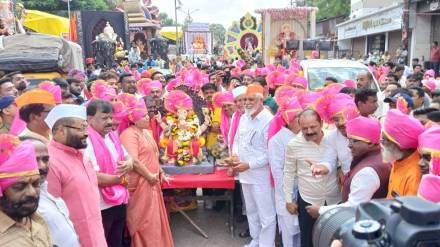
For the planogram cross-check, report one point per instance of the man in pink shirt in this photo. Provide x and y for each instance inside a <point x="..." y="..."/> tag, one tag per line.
<point x="435" y="57"/>
<point x="72" y="177"/>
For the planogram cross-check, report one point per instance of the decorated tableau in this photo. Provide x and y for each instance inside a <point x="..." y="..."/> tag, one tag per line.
<point x="243" y="37"/>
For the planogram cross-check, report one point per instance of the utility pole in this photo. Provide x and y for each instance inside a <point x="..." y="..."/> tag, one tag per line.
<point x="177" y="31"/>
<point x="405" y="27"/>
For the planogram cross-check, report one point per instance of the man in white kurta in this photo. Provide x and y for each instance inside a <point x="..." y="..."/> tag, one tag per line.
<point x="250" y="145"/>
<point x="287" y="222"/>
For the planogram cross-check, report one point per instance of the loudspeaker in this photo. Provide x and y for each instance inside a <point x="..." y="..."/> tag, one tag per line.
<point x="325" y="46"/>
<point x="292" y="45"/>
<point x="92" y="23"/>
<point x="309" y="45"/>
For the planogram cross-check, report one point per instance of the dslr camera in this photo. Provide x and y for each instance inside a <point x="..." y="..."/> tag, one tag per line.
<point x="401" y="222"/>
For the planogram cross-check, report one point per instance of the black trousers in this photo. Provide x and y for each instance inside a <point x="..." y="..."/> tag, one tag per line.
<point x="113" y="221"/>
<point x="306" y="223"/>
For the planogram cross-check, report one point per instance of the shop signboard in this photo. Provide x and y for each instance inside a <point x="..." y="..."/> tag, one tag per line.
<point x="385" y="20"/>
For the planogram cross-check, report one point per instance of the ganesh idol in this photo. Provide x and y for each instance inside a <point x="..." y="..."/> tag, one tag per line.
<point x="181" y="138"/>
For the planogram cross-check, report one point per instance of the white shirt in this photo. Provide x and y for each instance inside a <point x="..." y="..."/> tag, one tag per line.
<point x="56" y="214"/>
<point x="250" y="144"/>
<point x="316" y="190"/>
<point x="89" y="152"/>
<point x="337" y="152"/>
<point x="276" y="153"/>
<point x="362" y="188"/>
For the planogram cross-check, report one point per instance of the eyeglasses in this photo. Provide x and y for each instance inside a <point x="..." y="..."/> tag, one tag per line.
<point x="82" y="128"/>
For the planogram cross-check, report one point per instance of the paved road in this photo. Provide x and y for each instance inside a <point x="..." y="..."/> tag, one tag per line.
<point x="215" y="224"/>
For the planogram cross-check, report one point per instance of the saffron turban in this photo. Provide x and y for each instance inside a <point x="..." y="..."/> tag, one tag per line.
<point x="17" y="160"/>
<point x="364" y="129"/>
<point x="402" y="129"/>
<point x="255" y="89"/>
<point x="35" y="96"/>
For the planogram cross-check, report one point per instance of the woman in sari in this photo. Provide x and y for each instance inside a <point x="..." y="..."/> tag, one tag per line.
<point x="147" y="219"/>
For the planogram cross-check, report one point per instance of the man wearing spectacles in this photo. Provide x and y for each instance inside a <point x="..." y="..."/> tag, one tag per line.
<point x="71" y="176"/>
<point x="367" y="167"/>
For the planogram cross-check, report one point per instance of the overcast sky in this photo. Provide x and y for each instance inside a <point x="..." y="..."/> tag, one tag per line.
<point x="217" y="11"/>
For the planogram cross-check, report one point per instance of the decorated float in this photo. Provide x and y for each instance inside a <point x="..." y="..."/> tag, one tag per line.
<point x="243" y="37"/>
<point x="286" y="31"/>
<point x="198" y="39"/>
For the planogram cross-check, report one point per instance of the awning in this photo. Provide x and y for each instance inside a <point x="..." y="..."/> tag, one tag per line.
<point x="42" y="22"/>
<point x="170" y="32"/>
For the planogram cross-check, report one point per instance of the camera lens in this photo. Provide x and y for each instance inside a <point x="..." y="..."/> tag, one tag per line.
<point x="329" y="223"/>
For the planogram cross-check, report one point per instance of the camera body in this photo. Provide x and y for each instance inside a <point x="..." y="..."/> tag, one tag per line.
<point x="402" y="222"/>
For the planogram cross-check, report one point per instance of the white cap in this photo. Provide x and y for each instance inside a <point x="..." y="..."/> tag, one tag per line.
<point x="65" y="111"/>
<point x="239" y="91"/>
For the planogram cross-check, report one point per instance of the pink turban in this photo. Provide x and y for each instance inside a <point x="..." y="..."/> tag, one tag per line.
<point x="77" y="74"/>
<point x="297" y="81"/>
<point x="236" y="72"/>
<point x="333" y="88"/>
<point x="430" y="84"/>
<point x="261" y="71"/>
<point x="129" y="100"/>
<point x="430" y="73"/>
<point x="177" y="100"/>
<point x="55" y="90"/>
<point x="301" y="82"/>
<point x="429" y="188"/>
<point x="364" y="129"/>
<point x="430" y="139"/>
<point x="276" y="78"/>
<point x="241" y="63"/>
<point x="287" y="111"/>
<point x="284" y="93"/>
<point x="138" y="112"/>
<point x="330" y="105"/>
<point x="402" y="129"/>
<point x="221" y="98"/>
<point x="145" y="87"/>
<point x="307" y="99"/>
<point x="100" y="90"/>
<point x="16" y="160"/>
<point x="350" y="83"/>
<point x="249" y="72"/>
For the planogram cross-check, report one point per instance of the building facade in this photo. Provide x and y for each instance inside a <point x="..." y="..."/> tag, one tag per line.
<point x="372" y="30"/>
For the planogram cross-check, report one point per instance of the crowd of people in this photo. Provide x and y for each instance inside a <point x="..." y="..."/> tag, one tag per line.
<point x="80" y="157"/>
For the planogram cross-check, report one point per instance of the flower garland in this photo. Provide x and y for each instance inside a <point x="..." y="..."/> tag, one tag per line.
<point x="287" y="13"/>
<point x="183" y="133"/>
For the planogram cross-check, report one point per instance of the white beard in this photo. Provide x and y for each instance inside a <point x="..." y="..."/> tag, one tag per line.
<point x="389" y="156"/>
<point x="250" y="112"/>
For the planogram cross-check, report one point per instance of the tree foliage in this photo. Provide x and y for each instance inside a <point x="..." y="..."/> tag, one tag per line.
<point x="218" y="33"/>
<point x="330" y="8"/>
<point x="59" y="5"/>
<point x="165" y="20"/>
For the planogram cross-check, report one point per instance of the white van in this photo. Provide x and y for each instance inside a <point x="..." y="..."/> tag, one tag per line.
<point x="316" y="70"/>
